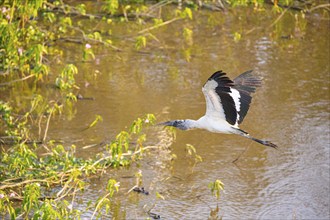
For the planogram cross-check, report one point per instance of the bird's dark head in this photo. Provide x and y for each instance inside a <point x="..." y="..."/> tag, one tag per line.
<point x="181" y="124"/>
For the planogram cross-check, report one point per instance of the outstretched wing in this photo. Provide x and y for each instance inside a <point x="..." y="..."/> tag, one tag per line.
<point x="246" y="84"/>
<point x="229" y="99"/>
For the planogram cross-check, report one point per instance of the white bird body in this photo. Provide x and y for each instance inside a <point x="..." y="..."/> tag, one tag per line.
<point x="212" y="124"/>
<point x="227" y="103"/>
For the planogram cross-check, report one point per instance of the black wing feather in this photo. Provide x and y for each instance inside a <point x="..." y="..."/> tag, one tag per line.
<point x="246" y="84"/>
<point x="223" y="90"/>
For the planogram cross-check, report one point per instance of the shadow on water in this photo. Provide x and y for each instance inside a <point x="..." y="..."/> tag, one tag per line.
<point x="291" y="109"/>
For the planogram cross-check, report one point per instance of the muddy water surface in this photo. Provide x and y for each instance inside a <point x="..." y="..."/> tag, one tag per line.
<point x="291" y="109"/>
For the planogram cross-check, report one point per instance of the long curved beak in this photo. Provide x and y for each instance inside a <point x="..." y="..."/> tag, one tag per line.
<point x="166" y="123"/>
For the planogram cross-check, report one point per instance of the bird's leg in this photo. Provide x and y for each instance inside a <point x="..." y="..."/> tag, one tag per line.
<point x="239" y="156"/>
<point x="263" y="142"/>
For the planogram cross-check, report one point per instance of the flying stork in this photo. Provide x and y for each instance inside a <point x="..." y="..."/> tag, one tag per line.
<point x="227" y="103"/>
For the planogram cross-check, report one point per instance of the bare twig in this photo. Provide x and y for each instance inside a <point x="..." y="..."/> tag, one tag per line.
<point x="243" y="152"/>
<point x="131" y="189"/>
<point x="158" y="5"/>
<point x="13" y="185"/>
<point x="159" y="25"/>
<point x="279" y="17"/>
<point x="324" y="6"/>
<point x="98" y="204"/>
<point x="17" y="80"/>
<point x="47" y="124"/>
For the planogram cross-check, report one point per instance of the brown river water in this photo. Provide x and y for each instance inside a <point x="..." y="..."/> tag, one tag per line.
<point x="291" y="109"/>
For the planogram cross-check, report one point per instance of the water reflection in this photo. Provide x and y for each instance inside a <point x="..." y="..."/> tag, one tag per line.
<point x="262" y="51"/>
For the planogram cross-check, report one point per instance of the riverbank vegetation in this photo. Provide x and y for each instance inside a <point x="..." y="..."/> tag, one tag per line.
<point x="37" y="173"/>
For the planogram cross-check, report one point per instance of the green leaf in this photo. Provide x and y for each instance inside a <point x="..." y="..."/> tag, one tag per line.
<point x="187" y="34"/>
<point x="216" y="187"/>
<point x="188" y="13"/>
<point x="141" y="41"/>
<point x="237" y="36"/>
<point x="98" y="118"/>
<point x="159" y="196"/>
<point x="111" y="6"/>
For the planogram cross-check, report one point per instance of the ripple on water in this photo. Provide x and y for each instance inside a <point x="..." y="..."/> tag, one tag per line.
<point x="299" y="182"/>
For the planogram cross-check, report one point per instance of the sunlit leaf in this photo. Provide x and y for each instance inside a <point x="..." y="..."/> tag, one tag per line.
<point x="98" y="118"/>
<point x="141" y="41"/>
<point x="216" y="187"/>
<point x="159" y="196"/>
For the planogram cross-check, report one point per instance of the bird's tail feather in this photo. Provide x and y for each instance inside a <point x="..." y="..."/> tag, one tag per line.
<point x="263" y="142"/>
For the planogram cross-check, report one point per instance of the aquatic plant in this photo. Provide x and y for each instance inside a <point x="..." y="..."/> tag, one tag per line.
<point x="216" y="187"/>
<point x="36" y="186"/>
